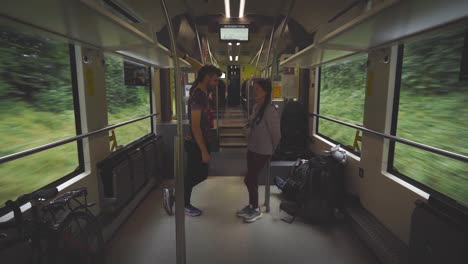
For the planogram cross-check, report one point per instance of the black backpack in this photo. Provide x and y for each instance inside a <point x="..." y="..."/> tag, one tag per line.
<point x="295" y="138"/>
<point x="315" y="190"/>
<point x="292" y="185"/>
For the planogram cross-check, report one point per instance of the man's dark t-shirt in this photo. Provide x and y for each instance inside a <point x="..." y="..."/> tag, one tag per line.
<point x="199" y="101"/>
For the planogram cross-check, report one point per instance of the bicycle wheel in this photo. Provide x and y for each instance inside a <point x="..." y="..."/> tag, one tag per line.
<point x="80" y="240"/>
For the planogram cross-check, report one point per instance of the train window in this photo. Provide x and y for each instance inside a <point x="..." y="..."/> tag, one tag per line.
<point x="430" y="108"/>
<point x="37" y="106"/>
<point x="127" y="100"/>
<point x="342" y="93"/>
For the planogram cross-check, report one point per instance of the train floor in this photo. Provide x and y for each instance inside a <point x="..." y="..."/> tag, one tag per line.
<point x="218" y="236"/>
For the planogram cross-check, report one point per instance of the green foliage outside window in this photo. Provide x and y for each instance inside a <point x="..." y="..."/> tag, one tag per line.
<point x="433" y="111"/>
<point x="36" y="108"/>
<point x="125" y="102"/>
<point x="342" y="94"/>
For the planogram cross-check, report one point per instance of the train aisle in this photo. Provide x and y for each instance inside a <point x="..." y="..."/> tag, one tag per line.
<point x="220" y="237"/>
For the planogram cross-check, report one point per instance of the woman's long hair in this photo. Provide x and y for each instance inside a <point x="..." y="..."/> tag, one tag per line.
<point x="265" y="84"/>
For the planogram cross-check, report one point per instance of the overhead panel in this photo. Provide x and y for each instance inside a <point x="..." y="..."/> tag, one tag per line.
<point x="385" y="24"/>
<point x="86" y="22"/>
<point x="395" y="20"/>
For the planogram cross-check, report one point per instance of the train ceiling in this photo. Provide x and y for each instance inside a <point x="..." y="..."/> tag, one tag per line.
<point x="306" y="16"/>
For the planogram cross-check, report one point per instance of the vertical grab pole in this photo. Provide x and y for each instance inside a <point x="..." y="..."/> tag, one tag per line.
<point x="259" y="55"/>
<point x="179" y="160"/>
<point x="267" y="187"/>
<point x="217" y="112"/>
<point x="269" y="48"/>
<point x="275" y="49"/>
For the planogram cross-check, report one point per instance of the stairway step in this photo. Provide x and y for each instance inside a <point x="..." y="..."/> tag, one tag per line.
<point x="232" y="130"/>
<point x="233" y="145"/>
<point x="233" y="140"/>
<point x="234" y="122"/>
<point x="231" y="125"/>
<point x="231" y="134"/>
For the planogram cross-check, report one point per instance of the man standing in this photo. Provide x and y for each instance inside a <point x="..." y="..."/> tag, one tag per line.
<point x="196" y="144"/>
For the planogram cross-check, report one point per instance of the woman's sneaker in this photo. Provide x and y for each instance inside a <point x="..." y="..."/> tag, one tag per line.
<point x="168" y="201"/>
<point x="253" y="215"/>
<point x="244" y="211"/>
<point x="192" y="211"/>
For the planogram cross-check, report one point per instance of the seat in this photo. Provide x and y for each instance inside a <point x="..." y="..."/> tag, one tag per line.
<point x="63" y="199"/>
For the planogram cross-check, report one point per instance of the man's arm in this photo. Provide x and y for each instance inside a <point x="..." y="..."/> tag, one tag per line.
<point x="198" y="135"/>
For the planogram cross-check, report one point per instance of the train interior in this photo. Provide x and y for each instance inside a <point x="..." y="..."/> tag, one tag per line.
<point x="94" y="94"/>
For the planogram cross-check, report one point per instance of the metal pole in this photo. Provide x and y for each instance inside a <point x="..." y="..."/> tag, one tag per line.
<point x="58" y="143"/>
<point x="199" y="44"/>
<point x="269" y="48"/>
<point x="259" y="55"/>
<point x="275" y="50"/>
<point x="179" y="159"/>
<point x="217" y="111"/>
<point x="434" y="150"/>
<point x="267" y="187"/>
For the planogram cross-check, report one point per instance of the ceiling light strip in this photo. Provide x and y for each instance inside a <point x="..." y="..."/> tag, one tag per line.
<point x="241" y="8"/>
<point x="227" y="7"/>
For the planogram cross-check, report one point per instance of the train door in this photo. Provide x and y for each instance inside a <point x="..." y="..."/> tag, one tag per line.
<point x="234" y="83"/>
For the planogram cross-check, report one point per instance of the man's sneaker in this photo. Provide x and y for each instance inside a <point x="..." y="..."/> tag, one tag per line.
<point x="253" y="215"/>
<point x="191" y="210"/>
<point x="244" y="211"/>
<point x="168" y="201"/>
<point x="172" y="199"/>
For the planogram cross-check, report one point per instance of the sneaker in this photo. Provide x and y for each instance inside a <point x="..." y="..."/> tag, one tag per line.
<point x="253" y="215"/>
<point x="244" y="211"/>
<point x="192" y="211"/>
<point x="167" y="197"/>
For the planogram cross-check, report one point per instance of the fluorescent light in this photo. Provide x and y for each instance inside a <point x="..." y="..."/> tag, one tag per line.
<point x="237" y="58"/>
<point x="241" y="8"/>
<point x="230" y="44"/>
<point x="230" y="58"/>
<point x="227" y="7"/>
<point x="237" y="44"/>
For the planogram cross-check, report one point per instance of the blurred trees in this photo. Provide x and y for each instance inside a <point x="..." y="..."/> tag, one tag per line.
<point x="118" y="94"/>
<point x="35" y="69"/>
<point x="432" y="66"/>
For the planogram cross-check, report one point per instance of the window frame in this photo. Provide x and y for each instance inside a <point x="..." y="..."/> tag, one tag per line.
<point x="317" y="119"/>
<point x="78" y="126"/>
<point x="150" y="90"/>
<point x="393" y="129"/>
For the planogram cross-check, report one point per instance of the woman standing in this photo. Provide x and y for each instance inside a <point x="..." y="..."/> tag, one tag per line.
<point x="263" y="138"/>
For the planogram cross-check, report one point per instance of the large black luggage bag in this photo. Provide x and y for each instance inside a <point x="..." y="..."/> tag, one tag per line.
<point x="438" y="235"/>
<point x="314" y="190"/>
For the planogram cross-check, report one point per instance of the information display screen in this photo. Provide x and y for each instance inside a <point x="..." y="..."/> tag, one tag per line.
<point x="239" y="33"/>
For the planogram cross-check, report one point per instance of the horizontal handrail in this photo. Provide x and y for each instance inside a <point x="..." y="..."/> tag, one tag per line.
<point x="434" y="150"/>
<point x="55" y="144"/>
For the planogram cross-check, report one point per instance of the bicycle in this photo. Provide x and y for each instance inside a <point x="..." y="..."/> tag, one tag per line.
<point x="63" y="230"/>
